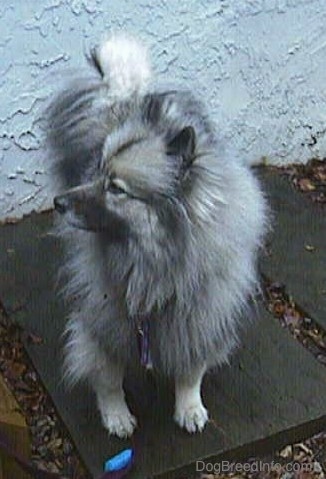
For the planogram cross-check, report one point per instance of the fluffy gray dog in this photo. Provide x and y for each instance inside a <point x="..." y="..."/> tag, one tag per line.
<point x="162" y="228"/>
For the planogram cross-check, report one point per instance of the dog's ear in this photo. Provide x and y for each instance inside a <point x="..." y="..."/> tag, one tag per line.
<point x="183" y="144"/>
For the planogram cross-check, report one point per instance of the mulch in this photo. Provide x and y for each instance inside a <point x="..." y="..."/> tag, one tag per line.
<point x="309" y="179"/>
<point x="52" y="447"/>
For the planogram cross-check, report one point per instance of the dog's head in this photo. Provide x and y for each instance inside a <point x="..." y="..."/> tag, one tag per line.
<point x="123" y="154"/>
<point x="139" y="183"/>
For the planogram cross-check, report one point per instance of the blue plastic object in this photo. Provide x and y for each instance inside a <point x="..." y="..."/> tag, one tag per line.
<point x="120" y="461"/>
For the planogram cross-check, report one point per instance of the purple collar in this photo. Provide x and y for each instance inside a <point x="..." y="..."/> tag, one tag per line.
<point x="143" y="343"/>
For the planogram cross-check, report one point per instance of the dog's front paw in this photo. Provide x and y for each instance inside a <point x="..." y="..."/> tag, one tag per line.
<point x="119" y="422"/>
<point x="193" y="418"/>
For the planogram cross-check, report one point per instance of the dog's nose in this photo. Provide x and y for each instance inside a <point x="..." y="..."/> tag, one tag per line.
<point x="60" y="204"/>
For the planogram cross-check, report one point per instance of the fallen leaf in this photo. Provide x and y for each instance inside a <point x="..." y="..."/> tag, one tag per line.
<point x="320" y="174"/>
<point x="291" y="318"/>
<point x="299" y="456"/>
<point x="305" y="184"/>
<point x="286" y="452"/>
<point x="304" y="448"/>
<point x="15" y="369"/>
<point x="278" y="308"/>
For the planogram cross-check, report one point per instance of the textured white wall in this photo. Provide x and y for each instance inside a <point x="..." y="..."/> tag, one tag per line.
<point x="259" y="63"/>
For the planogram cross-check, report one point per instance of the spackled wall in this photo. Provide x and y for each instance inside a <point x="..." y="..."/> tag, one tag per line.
<point x="260" y="64"/>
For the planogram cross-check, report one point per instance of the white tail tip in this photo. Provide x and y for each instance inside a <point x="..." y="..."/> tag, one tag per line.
<point x="125" y="65"/>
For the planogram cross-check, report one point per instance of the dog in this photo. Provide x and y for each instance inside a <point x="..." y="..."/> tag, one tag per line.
<point x="162" y="226"/>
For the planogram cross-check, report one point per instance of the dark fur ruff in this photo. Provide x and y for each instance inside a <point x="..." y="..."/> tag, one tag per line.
<point x="177" y="243"/>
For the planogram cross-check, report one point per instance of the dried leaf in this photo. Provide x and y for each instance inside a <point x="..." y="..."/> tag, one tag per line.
<point x="279" y="308"/>
<point x="286" y="452"/>
<point x="55" y="443"/>
<point x="309" y="247"/>
<point x="291" y="319"/>
<point x="15" y="369"/>
<point x="320" y="174"/>
<point x="317" y="467"/>
<point x="299" y="456"/>
<point x="305" y="184"/>
<point x="303" y="448"/>
<point x="22" y="387"/>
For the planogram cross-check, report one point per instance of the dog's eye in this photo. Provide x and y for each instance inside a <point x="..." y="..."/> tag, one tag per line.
<point x="116" y="187"/>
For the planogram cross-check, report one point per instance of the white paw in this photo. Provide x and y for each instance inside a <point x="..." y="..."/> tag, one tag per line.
<point x="192" y="418"/>
<point x="119" y="422"/>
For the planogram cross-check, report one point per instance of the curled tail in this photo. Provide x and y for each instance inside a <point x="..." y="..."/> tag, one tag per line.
<point x="123" y="63"/>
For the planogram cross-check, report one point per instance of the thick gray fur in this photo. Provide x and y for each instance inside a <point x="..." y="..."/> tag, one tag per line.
<point x="179" y="247"/>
